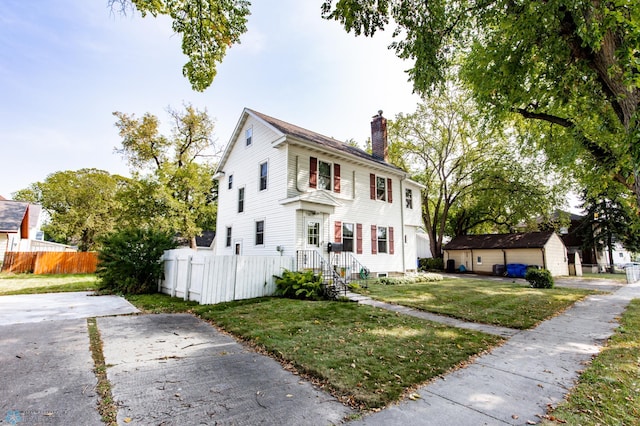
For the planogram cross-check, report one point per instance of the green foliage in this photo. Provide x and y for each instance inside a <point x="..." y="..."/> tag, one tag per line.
<point x="411" y="279"/>
<point x="207" y="27"/>
<point x="82" y="205"/>
<point x="475" y="178"/>
<point x="175" y="190"/>
<point x="539" y="278"/>
<point x="568" y="68"/>
<point x="299" y="285"/>
<point x="129" y="260"/>
<point x="431" y="264"/>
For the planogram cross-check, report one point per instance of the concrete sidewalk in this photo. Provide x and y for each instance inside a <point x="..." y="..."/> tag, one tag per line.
<point x="515" y="383"/>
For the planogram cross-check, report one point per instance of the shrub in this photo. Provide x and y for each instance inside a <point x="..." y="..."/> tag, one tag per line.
<point x="431" y="264"/>
<point x="539" y="278"/>
<point x="299" y="285"/>
<point x="129" y="260"/>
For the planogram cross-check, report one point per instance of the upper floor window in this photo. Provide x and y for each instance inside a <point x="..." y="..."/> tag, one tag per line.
<point x="259" y="232"/>
<point x="324" y="175"/>
<point x="408" y="195"/>
<point x="248" y="136"/>
<point x="230" y="181"/>
<point x="380" y="188"/>
<point x="240" y="200"/>
<point x="228" y="240"/>
<point x="264" y="169"/>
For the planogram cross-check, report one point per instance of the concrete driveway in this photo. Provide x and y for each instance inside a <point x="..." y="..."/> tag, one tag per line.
<point x="164" y="369"/>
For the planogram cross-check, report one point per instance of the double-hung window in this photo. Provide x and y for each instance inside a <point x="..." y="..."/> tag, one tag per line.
<point x="230" y="181"/>
<point x="408" y="198"/>
<point x="381" y="188"/>
<point x="264" y="170"/>
<point x="324" y="175"/>
<point x="248" y="135"/>
<point x="228" y="240"/>
<point x="382" y="239"/>
<point x="240" y="200"/>
<point x="259" y="232"/>
<point x="347" y="236"/>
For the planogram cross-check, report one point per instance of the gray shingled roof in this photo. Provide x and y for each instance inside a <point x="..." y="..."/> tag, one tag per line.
<point x="316" y="138"/>
<point x="11" y="215"/>
<point x="500" y="241"/>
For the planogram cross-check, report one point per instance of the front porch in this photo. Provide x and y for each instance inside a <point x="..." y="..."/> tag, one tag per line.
<point x="339" y="270"/>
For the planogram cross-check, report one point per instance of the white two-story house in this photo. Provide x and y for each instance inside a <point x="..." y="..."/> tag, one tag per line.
<point x="289" y="191"/>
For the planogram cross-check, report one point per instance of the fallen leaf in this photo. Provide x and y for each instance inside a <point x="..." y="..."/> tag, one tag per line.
<point x="127" y="419"/>
<point x="414" y="396"/>
<point x="289" y="395"/>
<point x="514" y="417"/>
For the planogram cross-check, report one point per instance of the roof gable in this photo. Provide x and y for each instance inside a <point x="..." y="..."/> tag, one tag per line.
<point x="12" y="214"/>
<point x="288" y="131"/>
<point x="500" y="241"/>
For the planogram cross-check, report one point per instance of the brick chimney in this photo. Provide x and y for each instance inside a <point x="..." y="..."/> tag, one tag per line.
<point x="379" y="137"/>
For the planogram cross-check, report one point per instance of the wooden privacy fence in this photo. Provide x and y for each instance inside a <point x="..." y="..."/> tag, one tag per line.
<point x="50" y="262"/>
<point x="212" y="279"/>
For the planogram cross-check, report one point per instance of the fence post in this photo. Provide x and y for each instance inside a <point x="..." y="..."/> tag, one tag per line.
<point x="174" y="283"/>
<point x="187" y="285"/>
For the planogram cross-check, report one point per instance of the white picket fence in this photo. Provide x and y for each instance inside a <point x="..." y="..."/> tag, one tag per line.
<point x="209" y="279"/>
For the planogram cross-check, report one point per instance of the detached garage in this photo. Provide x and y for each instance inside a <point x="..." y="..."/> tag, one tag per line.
<point x="486" y="254"/>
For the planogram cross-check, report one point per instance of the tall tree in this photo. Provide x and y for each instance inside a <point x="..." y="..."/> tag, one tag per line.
<point x="473" y="181"/>
<point x="207" y="27"/>
<point x="82" y="205"/>
<point x="572" y="65"/>
<point x="609" y="221"/>
<point x="175" y="172"/>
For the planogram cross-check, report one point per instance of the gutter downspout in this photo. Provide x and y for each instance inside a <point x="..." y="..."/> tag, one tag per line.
<point x="544" y="260"/>
<point x="402" y="235"/>
<point x="297" y="170"/>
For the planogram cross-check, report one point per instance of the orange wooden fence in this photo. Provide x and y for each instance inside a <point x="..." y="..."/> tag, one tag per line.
<point x="50" y="262"/>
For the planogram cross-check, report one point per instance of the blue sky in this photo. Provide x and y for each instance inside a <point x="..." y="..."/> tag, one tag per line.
<point x="66" y="65"/>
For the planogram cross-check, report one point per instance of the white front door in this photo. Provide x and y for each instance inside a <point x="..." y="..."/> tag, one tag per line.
<point x="312" y="233"/>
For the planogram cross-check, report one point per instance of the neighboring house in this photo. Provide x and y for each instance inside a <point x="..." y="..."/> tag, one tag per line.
<point x="19" y="225"/>
<point x="574" y="239"/>
<point x="206" y="240"/>
<point x="289" y="191"/>
<point x="479" y="253"/>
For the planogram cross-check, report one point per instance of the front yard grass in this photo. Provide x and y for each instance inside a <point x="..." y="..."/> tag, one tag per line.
<point x="367" y="357"/>
<point x="486" y="301"/>
<point x="608" y="392"/>
<point x="34" y="284"/>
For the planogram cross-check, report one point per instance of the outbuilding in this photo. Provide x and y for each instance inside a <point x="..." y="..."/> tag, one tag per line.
<point x="493" y="253"/>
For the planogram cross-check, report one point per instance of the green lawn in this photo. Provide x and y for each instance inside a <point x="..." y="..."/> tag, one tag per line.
<point x="31" y="284"/>
<point x="618" y="278"/>
<point x="608" y="392"/>
<point x="486" y="301"/>
<point x="366" y="356"/>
